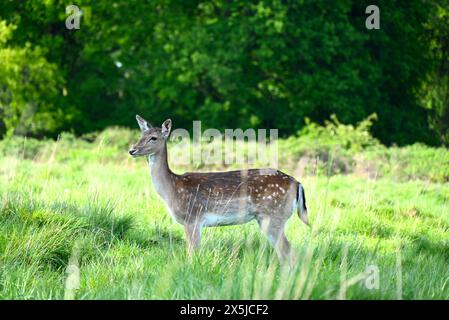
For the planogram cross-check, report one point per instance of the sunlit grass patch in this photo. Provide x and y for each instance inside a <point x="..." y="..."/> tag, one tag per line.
<point x="104" y="214"/>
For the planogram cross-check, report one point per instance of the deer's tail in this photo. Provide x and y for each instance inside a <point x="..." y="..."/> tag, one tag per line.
<point x="301" y="204"/>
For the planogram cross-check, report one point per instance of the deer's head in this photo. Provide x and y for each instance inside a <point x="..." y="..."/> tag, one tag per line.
<point x="152" y="139"/>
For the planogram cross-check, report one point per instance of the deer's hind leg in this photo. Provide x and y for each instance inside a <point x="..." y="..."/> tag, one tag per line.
<point x="273" y="228"/>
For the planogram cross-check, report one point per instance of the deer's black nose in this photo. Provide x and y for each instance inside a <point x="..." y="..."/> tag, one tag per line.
<point x="132" y="151"/>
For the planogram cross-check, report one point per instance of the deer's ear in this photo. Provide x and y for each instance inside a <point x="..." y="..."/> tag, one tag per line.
<point x="166" y="128"/>
<point x="143" y="124"/>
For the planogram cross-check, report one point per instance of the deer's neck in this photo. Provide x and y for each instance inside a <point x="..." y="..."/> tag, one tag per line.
<point x="161" y="174"/>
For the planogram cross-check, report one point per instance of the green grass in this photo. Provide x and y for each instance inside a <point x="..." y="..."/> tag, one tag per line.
<point x="85" y="208"/>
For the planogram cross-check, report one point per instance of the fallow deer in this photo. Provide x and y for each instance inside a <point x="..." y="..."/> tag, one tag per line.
<point x="209" y="199"/>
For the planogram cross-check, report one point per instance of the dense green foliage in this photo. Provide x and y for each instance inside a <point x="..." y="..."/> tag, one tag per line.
<point x="228" y="63"/>
<point x="339" y="93"/>
<point x="72" y="205"/>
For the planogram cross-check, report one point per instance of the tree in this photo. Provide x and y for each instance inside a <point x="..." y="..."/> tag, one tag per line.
<point x="28" y="87"/>
<point x="235" y="64"/>
<point x="436" y="88"/>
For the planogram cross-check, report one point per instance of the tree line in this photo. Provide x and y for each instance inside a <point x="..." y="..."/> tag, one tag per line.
<point x="231" y="64"/>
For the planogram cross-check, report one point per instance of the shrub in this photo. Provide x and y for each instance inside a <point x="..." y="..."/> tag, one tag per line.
<point x="331" y="147"/>
<point x="117" y="137"/>
<point x="27" y="148"/>
<point x="334" y="148"/>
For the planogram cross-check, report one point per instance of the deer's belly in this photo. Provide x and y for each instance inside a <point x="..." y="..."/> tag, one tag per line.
<point x="214" y="219"/>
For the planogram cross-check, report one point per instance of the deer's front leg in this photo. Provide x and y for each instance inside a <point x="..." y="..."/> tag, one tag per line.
<point x="193" y="236"/>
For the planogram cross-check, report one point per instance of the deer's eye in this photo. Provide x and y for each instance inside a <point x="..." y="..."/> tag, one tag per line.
<point x="152" y="139"/>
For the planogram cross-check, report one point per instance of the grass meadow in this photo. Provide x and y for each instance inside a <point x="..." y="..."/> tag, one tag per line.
<point x="79" y="219"/>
